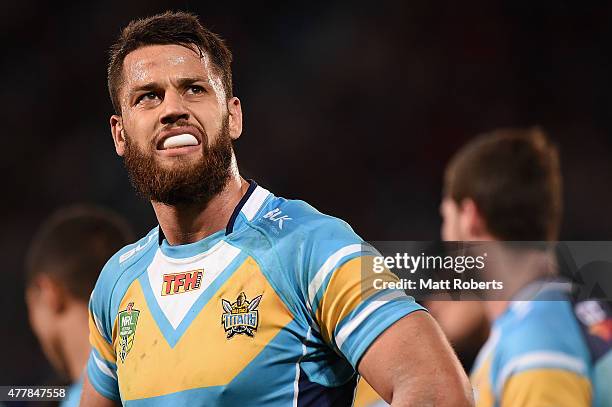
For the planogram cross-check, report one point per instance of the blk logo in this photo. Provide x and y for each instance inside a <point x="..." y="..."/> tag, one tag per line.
<point x="276" y="215"/>
<point x="179" y="283"/>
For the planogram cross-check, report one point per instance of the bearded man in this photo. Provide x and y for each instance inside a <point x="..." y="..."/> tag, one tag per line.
<point x="238" y="297"/>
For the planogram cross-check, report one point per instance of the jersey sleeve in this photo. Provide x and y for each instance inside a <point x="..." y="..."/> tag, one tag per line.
<point x="350" y="310"/>
<point x="101" y="366"/>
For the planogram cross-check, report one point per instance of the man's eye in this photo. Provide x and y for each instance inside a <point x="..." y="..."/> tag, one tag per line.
<point x="195" y="89"/>
<point x="146" y="97"/>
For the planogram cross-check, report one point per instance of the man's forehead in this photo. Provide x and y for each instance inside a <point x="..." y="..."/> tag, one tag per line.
<point x="140" y="63"/>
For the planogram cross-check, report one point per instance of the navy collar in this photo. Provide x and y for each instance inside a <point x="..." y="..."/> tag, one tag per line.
<point x="232" y="220"/>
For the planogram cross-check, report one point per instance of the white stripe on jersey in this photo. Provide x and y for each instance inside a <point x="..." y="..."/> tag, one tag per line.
<point x="254" y="202"/>
<point x="354" y="323"/>
<point x="332" y="263"/>
<point x="296" y="382"/>
<point x="554" y="360"/>
<point x="103" y="368"/>
<point x="99" y="326"/>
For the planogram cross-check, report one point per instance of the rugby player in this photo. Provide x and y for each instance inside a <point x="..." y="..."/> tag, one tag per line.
<point x="62" y="266"/>
<point x="544" y="349"/>
<point x="238" y="297"/>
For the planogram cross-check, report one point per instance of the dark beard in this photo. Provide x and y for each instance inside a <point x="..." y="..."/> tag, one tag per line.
<point x="186" y="183"/>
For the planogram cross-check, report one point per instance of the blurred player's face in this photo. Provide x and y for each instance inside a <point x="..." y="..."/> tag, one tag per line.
<point x="462" y="221"/>
<point x="177" y="125"/>
<point x="43" y="302"/>
<point x="450" y="212"/>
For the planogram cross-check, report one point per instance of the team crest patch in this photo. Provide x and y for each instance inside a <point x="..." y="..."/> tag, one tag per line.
<point x="178" y="283"/>
<point x="127" y="329"/>
<point x="240" y="317"/>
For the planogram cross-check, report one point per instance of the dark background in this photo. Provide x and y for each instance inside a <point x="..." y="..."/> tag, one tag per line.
<point x="352" y="106"/>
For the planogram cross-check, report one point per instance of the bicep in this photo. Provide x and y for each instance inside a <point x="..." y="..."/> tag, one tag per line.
<point x="91" y="398"/>
<point x="412" y="360"/>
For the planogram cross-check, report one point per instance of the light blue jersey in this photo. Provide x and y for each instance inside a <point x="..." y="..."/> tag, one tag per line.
<point x="547" y="351"/>
<point x="273" y="310"/>
<point x="73" y="395"/>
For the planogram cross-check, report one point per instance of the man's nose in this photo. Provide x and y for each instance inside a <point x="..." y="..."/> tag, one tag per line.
<point x="174" y="108"/>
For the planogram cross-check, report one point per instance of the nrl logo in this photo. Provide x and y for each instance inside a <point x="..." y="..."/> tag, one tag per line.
<point x="127" y="329"/>
<point x="240" y="317"/>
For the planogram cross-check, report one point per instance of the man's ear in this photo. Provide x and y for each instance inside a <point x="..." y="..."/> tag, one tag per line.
<point x="235" y="117"/>
<point x="50" y="293"/>
<point x="118" y="133"/>
<point x="472" y="222"/>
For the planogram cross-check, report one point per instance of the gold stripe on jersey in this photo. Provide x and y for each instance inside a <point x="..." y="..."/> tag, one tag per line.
<point x="350" y="285"/>
<point x="365" y="395"/>
<point x="547" y="387"/>
<point x="96" y="340"/>
<point x="480" y="381"/>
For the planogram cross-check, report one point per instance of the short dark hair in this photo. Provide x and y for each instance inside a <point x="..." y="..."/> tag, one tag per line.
<point x="514" y="178"/>
<point x="178" y="28"/>
<point x="73" y="245"/>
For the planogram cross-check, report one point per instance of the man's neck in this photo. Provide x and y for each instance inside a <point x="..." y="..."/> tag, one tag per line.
<point x="184" y="224"/>
<point x="517" y="270"/>
<point x="494" y="309"/>
<point x="75" y="340"/>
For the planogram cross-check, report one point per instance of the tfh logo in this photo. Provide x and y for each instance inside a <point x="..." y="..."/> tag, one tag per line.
<point x="179" y="283"/>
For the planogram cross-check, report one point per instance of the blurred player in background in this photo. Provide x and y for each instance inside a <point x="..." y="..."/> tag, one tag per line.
<point x="239" y="297"/>
<point x="62" y="266"/>
<point x="506" y="186"/>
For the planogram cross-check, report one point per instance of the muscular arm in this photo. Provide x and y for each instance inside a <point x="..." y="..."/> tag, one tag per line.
<point x="91" y="398"/>
<point x="412" y="364"/>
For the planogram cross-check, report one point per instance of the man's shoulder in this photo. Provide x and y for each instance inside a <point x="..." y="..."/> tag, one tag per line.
<point x="305" y="240"/>
<point x="542" y="335"/>
<point x="287" y="219"/>
<point x="123" y="260"/>
<point x="540" y="323"/>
